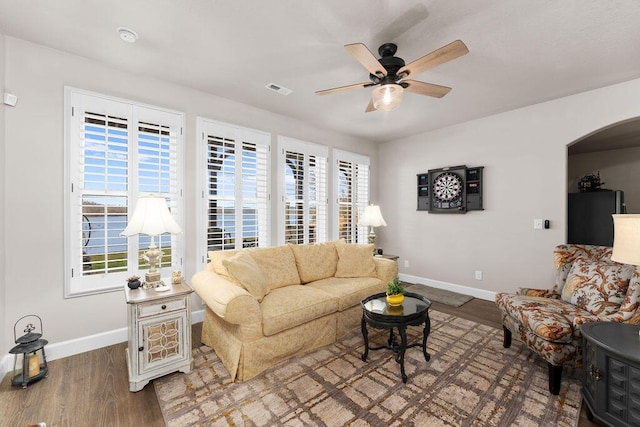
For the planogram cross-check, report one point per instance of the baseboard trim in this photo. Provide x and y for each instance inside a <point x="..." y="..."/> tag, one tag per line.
<point x="81" y="345"/>
<point x="466" y="290"/>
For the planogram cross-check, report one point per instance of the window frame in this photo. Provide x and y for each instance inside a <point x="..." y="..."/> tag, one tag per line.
<point x="239" y="135"/>
<point x="308" y="149"/>
<point x="137" y="114"/>
<point x="359" y="202"/>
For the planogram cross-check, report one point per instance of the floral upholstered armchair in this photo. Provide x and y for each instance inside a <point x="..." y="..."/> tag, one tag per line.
<point x="589" y="287"/>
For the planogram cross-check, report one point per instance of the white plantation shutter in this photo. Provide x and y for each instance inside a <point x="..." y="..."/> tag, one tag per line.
<point x="236" y="193"/>
<point x="115" y="150"/>
<point x="351" y="185"/>
<point x="303" y="212"/>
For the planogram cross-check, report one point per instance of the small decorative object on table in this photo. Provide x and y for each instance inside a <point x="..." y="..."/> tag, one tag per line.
<point x="395" y="293"/>
<point x="133" y="282"/>
<point x="176" y="277"/>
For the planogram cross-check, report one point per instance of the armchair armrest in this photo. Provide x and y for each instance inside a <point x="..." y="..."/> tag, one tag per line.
<point x="386" y="269"/>
<point x="226" y="299"/>
<point x="543" y="293"/>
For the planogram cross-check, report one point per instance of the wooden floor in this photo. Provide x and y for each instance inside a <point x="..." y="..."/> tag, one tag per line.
<point x="92" y="389"/>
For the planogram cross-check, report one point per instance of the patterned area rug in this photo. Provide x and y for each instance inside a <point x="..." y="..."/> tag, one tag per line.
<point x="471" y="380"/>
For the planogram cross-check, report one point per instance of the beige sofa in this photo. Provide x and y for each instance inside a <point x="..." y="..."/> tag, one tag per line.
<point x="265" y="305"/>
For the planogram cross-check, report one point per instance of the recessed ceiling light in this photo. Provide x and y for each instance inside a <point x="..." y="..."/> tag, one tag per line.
<point x="127" y="34"/>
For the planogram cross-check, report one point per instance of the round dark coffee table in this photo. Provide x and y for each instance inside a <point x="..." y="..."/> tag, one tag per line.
<point x="414" y="311"/>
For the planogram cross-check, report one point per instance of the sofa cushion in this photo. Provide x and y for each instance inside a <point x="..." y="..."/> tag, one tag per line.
<point x="315" y="262"/>
<point x="216" y="258"/>
<point x="278" y="266"/>
<point x="287" y="307"/>
<point x="349" y="291"/>
<point x="550" y="319"/>
<point x="244" y="269"/>
<point x="355" y="260"/>
<point x="597" y="286"/>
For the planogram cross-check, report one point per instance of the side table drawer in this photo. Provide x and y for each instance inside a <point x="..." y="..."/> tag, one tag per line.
<point x="152" y="309"/>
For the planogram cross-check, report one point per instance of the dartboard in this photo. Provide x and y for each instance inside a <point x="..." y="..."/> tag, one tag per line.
<point x="447" y="187"/>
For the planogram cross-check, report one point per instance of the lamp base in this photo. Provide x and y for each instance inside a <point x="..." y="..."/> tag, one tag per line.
<point x="372" y="236"/>
<point x="152" y="280"/>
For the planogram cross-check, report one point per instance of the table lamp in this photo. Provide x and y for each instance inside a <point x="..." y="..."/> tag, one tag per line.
<point x="152" y="217"/>
<point x="626" y="239"/>
<point x="372" y="217"/>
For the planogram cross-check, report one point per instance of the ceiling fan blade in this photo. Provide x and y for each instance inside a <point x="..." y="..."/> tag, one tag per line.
<point x="342" y="88"/>
<point x="366" y="58"/>
<point x="437" y="57"/>
<point x="429" y="89"/>
<point x="370" y="107"/>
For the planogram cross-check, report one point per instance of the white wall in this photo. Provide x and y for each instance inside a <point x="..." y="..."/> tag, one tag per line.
<point x="525" y="177"/>
<point x="34" y="198"/>
<point x="4" y="347"/>
<point x="618" y="170"/>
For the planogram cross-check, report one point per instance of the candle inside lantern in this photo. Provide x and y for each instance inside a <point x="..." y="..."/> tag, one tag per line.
<point x="34" y="365"/>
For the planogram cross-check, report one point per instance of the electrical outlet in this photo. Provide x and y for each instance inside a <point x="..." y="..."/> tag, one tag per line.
<point x="406" y="263"/>
<point x="478" y="275"/>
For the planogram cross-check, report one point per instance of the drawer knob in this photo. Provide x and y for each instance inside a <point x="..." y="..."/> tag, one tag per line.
<point x="595" y="373"/>
<point x="164" y="306"/>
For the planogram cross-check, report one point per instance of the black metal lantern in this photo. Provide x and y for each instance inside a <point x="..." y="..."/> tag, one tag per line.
<point x="29" y="351"/>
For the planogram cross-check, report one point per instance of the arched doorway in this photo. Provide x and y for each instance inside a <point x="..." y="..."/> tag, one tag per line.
<point x="613" y="154"/>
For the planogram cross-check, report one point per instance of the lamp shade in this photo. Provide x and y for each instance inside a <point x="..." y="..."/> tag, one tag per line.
<point x="151" y="217"/>
<point x="387" y="97"/>
<point x="372" y="217"/>
<point x="626" y="239"/>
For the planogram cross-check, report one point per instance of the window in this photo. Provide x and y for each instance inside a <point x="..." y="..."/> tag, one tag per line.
<point x="236" y="186"/>
<point x="115" y="151"/>
<point x="302" y="186"/>
<point x="351" y="181"/>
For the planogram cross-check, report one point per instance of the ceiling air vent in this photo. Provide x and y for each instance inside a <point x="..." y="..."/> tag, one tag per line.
<point x="276" y="88"/>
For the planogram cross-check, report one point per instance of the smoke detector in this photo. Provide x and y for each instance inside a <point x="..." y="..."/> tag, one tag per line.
<point x="127" y="34"/>
<point x="280" y="89"/>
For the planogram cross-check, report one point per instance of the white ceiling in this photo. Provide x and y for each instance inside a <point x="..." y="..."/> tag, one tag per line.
<point x="521" y="51"/>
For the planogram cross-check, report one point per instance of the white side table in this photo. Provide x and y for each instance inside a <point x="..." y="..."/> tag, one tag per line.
<point x="159" y="333"/>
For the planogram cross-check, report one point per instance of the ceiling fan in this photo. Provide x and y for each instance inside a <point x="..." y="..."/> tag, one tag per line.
<point x="390" y="73"/>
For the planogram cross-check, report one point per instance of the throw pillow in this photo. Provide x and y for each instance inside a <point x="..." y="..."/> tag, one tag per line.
<point x="244" y="269"/>
<point x="355" y="261"/>
<point x="216" y="259"/>
<point x="598" y="287"/>
<point x="315" y="262"/>
<point x="278" y="266"/>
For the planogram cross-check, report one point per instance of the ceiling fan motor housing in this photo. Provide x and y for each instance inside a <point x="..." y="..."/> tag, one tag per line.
<point x="390" y="63"/>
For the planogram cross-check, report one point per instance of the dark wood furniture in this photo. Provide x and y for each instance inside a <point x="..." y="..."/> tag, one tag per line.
<point x="611" y="372"/>
<point x="377" y="313"/>
<point x="388" y="256"/>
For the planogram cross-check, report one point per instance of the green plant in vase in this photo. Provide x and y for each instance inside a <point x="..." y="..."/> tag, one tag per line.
<point x="395" y="292"/>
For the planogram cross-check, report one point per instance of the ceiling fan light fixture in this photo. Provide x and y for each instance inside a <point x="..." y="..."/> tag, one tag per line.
<point x="387" y="97"/>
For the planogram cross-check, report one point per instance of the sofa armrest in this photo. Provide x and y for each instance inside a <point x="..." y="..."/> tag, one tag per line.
<point x="386" y="269"/>
<point x="226" y="299"/>
<point x="543" y="293"/>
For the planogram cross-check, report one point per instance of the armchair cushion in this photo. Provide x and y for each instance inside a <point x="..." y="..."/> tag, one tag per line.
<point x="355" y="261"/>
<point x="564" y="255"/>
<point x="548" y="318"/>
<point x="598" y="287"/>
